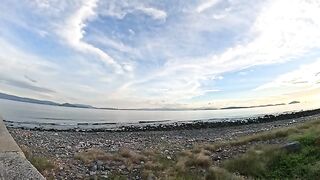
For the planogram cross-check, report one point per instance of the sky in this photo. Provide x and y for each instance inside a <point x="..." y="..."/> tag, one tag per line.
<point x="166" y="53"/>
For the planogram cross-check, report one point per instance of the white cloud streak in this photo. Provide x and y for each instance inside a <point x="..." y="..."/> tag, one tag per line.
<point x="154" y="13"/>
<point x="206" y="5"/>
<point x="307" y="76"/>
<point x="73" y="32"/>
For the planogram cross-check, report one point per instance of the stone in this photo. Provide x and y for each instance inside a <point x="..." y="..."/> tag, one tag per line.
<point x="99" y="163"/>
<point x="292" y="146"/>
<point x="217" y="158"/>
<point x="94" y="168"/>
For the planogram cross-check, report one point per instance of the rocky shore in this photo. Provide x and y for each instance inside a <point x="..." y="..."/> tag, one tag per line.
<point x="164" y="125"/>
<point x="62" y="147"/>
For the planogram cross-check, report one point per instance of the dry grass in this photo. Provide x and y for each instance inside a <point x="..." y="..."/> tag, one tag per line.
<point x="126" y="156"/>
<point x="189" y="159"/>
<point x="26" y="151"/>
<point x="42" y="164"/>
<point x="91" y="155"/>
<point x="216" y="173"/>
<point x="132" y="156"/>
<point x="202" y="160"/>
<point x="263" y="136"/>
<point x="195" y="163"/>
<point x="199" y="156"/>
<point x="150" y="165"/>
<point x="149" y="153"/>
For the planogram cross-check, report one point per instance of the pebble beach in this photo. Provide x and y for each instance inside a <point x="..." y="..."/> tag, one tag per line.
<point x="62" y="147"/>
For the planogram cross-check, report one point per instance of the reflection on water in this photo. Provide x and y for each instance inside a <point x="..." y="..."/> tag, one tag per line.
<point x="27" y="113"/>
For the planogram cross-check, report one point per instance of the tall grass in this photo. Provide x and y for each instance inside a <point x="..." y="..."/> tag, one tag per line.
<point x="277" y="163"/>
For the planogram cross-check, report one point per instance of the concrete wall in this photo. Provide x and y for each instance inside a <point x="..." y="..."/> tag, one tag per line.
<point x="13" y="164"/>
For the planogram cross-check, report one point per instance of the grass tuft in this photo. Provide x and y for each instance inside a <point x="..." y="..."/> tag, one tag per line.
<point x="42" y="164"/>
<point x="91" y="155"/>
<point x="132" y="156"/>
<point x="216" y="173"/>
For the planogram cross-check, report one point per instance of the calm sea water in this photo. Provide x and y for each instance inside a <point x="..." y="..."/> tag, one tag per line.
<point x="35" y="115"/>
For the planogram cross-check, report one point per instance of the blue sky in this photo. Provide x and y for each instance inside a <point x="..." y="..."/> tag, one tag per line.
<point x="143" y="53"/>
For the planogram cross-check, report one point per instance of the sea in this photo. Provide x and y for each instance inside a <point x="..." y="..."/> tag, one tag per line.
<point x="28" y="115"/>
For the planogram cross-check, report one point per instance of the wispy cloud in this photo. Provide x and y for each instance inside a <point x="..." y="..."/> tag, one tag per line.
<point x="304" y="77"/>
<point x="154" y="13"/>
<point x="73" y="31"/>
<point x="206" y="5"/>
<point x="26" y="85"/>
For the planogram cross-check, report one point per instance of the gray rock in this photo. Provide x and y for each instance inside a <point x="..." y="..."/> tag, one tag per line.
<point x="217" y="158"/>
<point x="122" y="167"/>
<point x="99" y="163"/>
<point x="94" y="168"/>
<point x="292" y="146"/>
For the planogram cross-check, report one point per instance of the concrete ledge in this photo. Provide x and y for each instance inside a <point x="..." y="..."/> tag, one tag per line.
<point x="13" y="163"/>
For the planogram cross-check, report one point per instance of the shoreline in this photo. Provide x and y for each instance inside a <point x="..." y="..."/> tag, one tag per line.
<point x="62" y="147"/>
<point x="166" y="125"/>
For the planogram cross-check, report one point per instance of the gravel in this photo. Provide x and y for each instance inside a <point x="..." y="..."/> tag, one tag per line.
<point x="62" y="146"/>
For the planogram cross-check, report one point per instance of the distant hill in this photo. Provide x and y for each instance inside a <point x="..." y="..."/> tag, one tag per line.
<point x="76" y="105"/>
<point x="44" y="102"/>
<point x="28" y="100"/>
<point x="294" y="102"/>
<point x="246" y="107"/>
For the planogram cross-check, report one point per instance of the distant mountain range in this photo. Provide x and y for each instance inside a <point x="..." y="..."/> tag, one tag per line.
<point x="245" y="107"/>
<point x="45" y="102"/>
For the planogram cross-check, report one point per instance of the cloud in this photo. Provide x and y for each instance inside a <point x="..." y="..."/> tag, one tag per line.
<point x="206" y="5"/>
<point x="303" y="78"/>
<point x="154" y="13"/>
<point x="276" y="36"/>
<point x="26" y="85"/>
<point x="121" y="9"/>
<point x="73" y="31"/>
<point x="30" y="79"/>
<point x="16" y="68"/>
<point x="160" y="53"/>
